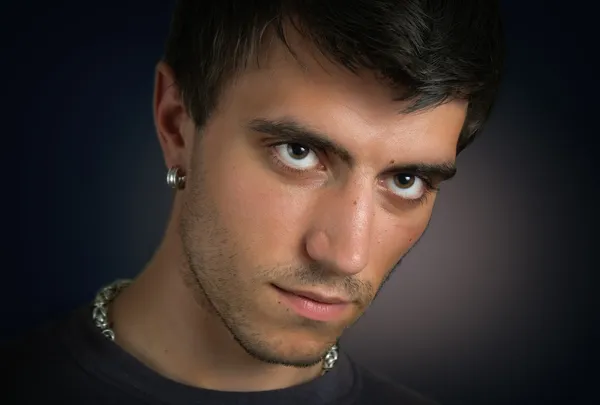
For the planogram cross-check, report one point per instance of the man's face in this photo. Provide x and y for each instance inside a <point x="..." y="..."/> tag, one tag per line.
<point x="268" y="210"/>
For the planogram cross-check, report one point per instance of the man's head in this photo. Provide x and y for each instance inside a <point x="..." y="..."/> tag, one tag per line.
<point x="314" y="135"/>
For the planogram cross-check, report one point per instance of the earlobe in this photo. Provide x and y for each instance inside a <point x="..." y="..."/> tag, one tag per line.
<point x="170" y="116"/>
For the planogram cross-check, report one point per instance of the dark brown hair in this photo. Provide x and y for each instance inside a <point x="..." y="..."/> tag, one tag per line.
<point x="432" y="51"/>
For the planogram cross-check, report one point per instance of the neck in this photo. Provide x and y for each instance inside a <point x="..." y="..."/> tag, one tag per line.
<point x="158" y="321"/>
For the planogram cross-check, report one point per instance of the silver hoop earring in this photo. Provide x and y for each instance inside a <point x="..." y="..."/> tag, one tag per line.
<point x="175" y="178"/>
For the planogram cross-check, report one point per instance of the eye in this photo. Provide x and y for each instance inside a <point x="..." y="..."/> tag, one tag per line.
<point x="297" y="156"/>
<point x="407" y="186"/>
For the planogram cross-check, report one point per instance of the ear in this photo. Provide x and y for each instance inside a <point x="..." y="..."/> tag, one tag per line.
<point x="173" y="124"/>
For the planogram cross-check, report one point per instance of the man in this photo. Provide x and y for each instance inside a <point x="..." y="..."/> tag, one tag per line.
<point x="305" y="141"/>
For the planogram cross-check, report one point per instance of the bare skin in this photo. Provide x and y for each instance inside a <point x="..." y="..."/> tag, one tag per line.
<point x="259" y="211"/>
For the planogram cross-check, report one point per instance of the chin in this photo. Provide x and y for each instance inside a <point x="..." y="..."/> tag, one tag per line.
<point x="290" y="356"/>
<point x="295" y="351"/>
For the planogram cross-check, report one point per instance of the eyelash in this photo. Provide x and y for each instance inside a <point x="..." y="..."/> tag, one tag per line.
<point x="428" y="184"/>
<point x="282" y="165"/>
<point x="429" y="190"/>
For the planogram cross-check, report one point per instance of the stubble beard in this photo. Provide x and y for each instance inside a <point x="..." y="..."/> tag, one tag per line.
<point x="209" y="273"/>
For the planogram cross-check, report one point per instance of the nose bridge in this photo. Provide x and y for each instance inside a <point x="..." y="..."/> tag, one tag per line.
<point x="342" y="232"/>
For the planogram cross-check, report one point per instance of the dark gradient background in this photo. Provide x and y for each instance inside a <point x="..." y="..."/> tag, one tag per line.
<point x="492" y="307"/>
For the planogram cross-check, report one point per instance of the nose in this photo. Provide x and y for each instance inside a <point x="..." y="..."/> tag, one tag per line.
<point x="340" y="236"/>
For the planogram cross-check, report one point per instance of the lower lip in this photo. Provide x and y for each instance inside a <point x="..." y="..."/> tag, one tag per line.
<point x="314" y="310"/>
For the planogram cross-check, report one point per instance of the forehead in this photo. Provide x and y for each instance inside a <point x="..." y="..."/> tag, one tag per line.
<point x="355" y="110"/>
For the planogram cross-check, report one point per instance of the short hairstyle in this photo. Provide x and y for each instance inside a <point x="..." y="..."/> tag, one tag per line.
<point x="428" y="51"/>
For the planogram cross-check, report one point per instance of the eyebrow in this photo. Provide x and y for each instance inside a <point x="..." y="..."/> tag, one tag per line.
<point x="290" y="130"/>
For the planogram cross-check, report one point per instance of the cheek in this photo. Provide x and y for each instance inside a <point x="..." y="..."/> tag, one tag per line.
<point x="262" y="216"/>
<point x="395" y="235"/>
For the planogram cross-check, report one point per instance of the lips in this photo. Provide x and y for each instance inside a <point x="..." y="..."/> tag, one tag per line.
<point x="313" y="305"/>
<point x="320" y="298"/>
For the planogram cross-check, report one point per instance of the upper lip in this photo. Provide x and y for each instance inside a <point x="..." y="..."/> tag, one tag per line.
<point x="315" y="296"/>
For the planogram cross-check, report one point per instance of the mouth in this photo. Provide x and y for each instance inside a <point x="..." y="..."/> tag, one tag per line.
<point x="314" y="305"/>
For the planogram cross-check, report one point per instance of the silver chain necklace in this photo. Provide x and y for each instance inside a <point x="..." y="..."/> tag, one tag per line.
<point x="107" y="294"/>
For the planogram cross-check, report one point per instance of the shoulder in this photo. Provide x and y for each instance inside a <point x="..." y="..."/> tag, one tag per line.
<point x="39" y="363"/>
<point x="21" y="352"/>
<point x="378" y="389"/>
<point x="34" y="350"/>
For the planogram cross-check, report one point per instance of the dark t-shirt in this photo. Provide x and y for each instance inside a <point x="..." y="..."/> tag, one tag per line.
<point x="70" y="362"/>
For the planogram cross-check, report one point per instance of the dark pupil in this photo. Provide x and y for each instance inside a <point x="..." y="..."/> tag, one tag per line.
<point x="404" y="180"/>
<point x="297" y="151"/>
